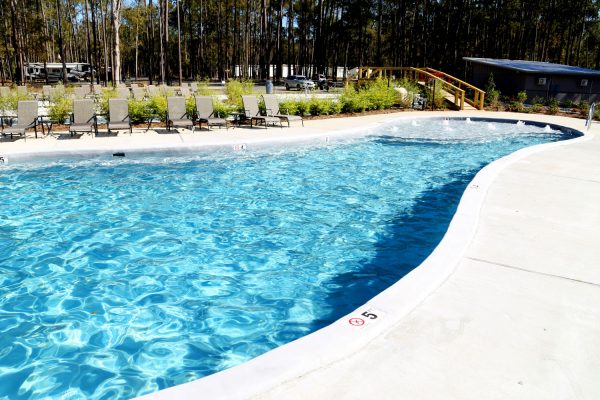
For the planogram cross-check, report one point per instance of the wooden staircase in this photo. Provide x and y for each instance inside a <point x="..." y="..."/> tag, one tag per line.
<point x="461" y="94"/>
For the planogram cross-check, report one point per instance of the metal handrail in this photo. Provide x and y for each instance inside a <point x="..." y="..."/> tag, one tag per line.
<point x="590" y="117"/>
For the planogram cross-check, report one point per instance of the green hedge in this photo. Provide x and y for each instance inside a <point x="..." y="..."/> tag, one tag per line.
<point x="61" y="105"/>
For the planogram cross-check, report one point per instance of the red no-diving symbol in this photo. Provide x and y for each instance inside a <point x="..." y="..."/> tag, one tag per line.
<point x="357" y="321"/>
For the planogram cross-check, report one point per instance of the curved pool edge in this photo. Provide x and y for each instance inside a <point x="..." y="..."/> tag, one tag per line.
<point x="348" y="335"/>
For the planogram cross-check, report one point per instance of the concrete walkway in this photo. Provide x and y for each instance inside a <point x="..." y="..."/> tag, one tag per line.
<point x="507" y="307"/>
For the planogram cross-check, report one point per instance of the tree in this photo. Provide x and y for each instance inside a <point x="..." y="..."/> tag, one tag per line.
<point x="115" y="17"/>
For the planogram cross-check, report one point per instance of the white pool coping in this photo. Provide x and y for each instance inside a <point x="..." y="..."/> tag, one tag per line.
<point x="268" y="375"/>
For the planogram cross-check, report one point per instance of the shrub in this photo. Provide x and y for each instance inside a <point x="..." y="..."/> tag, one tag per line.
<point x="493" y="98"/>
<point x="319" y="106"/>
<point x="190" y="107"/>
<point x="437" y="96"/>
<point x="380" y="96"/>
<point x="61" y="105"/>
<point x="157" y="105"/>
<point x="516" y="106"/>
<point x="288" y="107"/>
<point x="335" y="107"/>
<point x="353" y="100"/>
<point x="537" y="100"/>
<point x="537" y="108"/>
<point x="236" y="89"/>
<point x="492" y="94"/>
<point x="138" y="110"/>
<point x="553" y="106"/>
<point x="301" y="107"/>
<point x="221" y="109"/>
<point x="584" y="108"/>
<point x="568" y="104"/>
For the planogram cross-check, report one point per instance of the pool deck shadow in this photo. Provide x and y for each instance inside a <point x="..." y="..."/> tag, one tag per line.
<point x="403" y="247"/>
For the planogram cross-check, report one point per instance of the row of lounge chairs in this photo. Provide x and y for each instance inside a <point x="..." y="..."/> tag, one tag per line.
<point x="84" y="118"/>
<point x="92" y="91"/>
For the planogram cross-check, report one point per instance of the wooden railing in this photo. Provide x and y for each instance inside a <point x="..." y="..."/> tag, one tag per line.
<point x="478" y="94"/>
<point x="450" y="84"/>
<point x="382" y="72"/>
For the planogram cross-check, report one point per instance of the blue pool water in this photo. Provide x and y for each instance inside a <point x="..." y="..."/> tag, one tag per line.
<point x="122" y="276"/>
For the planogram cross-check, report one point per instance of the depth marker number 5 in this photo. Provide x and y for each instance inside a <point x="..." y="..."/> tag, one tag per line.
<point x="369" y="315"/>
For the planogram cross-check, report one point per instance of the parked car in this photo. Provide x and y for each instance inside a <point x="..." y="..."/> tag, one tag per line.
<point x="299" y="82"/>
<point x="321" y="81"/>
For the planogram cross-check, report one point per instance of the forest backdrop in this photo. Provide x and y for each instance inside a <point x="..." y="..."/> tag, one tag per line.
<point x="167" y="39"/>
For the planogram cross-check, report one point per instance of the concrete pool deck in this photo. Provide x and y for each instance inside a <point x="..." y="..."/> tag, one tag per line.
<point x="507" y="307"/>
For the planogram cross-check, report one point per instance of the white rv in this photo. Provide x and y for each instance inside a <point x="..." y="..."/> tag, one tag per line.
<point x="75" y="71"/>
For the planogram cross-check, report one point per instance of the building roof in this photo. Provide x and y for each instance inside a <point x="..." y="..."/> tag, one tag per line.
<point x="537" y="67"/>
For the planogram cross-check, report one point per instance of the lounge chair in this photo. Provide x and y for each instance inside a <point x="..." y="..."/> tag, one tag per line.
<point x="272" y="106"/>
<point x="205" y="111"/>
<point x="84" y="117"/>
<point x="96" y="90"/>
<point x="4" y="91"/>
<point x="152" y="90"/>
<point x="177" y="115"/>
<point x="81" y="91"/>
<point x="139" y="93"/>
<point x="22" y="91"/>
<point x="47" y="92"/>
<point x="27" y="117"/>
<point x="118" y="115"/>
<point x="184" y="91"/>
<point x="252" y="112"/>
<point x="123" y="92"/>
<point x="194" y="87"/>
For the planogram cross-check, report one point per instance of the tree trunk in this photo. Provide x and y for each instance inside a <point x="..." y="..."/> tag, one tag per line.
<point x="179" y="42"/>
<point x="61" y="46"/>
<point x="115" y="7"/>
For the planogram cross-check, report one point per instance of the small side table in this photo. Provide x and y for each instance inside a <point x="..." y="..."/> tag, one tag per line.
<point x="46" y="121"/>
<point x="238" y="117"/>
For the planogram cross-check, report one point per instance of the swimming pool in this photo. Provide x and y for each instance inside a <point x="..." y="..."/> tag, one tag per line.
<point x="119" y="277"/>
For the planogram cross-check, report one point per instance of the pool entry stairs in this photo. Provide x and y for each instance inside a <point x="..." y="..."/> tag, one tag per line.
<point x="462" y="95"/>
